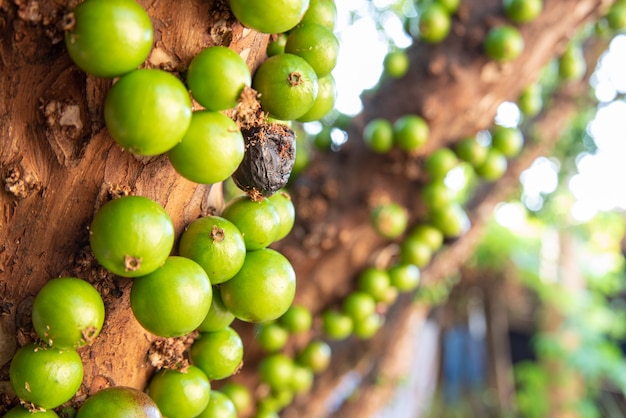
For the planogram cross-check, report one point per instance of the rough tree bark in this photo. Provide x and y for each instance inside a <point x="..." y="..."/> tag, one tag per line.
<point x="58" y="164"/>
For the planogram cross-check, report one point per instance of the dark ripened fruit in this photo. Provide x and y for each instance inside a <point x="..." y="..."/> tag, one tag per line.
<point x="268" y="160"/>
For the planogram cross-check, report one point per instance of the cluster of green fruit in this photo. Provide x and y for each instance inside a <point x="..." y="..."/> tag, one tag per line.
<point x="283" y="374"/>
<point x="149" y="111"/>
<point x="432" y="24"/>
<point x="67" y="313"/>
<point x="295" y="82"/>
<point x="434" y="21"/>
<point x="223" y="271"/>
<point x="409" y="133"/>
<point x="445" y="215"/>
<point x="505" y="42"/>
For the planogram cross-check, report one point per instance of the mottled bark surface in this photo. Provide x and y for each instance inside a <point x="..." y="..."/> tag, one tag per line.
<point x="58" y="163"/>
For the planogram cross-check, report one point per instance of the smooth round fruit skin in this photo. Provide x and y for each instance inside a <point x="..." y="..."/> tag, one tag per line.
<point x="396" y="63"/>
<point x="522" y="11"/>
<point x="156" y="298"/>
<point x="451" y="6"/>
<point x="216" y="244"/>
<point x="439" y="163"/>
<point x="180" y="394"/>
<point x="321" y="12"/>
<point x="288" y="86"/>
<point x="494" y="166"/>
<point x="410" y="133"/>
<point x="336" y="325"/>
<point x="271" y="336"/>
<point x="378" y="135"/>
<point x="316" y="355"/>
<point x="119" y="402"/>
<point x="616" y="16"/>
<point x="297" y="319"/>
<point x="317" y="44"/>
<point x="415" y="251"/>
<point x="263" y="289"/>
<point x="507" y="140"/>
<point x="109" y="37"/>
<point x="269" y="16"/>
<point x="374" y="281"/>
<point x="504" y="43"/>
<point x="218" y="317"/>
<point x="357" y="305"/>
<point x="68" y="312"/>
<point x="452" y="221"/>
<point x="220" y="406"/>
<point x="429" y="234"/>
<point x="211" y="149"/>
<point x="147" y="111"/>
<point x="404" y="277"/>
<point x="131" y="236"/>
<point x="389" y="220"/>
<point x="530" y="101"/>
<point x="286" y="210"/>
<point x="276" y="370"/>
<point x="45" y="376"/>
<point x="434" y="23"/>
<point x="218" y="354"/>
<point x="572" y="64"/>
<point x="301" y="379"/>
<point x="436" y="194"/>
<point x="324" y="101"/>
<point x="366" y="327"/>
<point x="20" y="412"/>
<point x="216" y="77"/>
<point x="391" y="295"/>
<point x="276" y="44"/>
<point x="323" y="140"/>
<point x="239" y="394"/>
<point x="470" y="150"/>
<point x="258" y="222"/>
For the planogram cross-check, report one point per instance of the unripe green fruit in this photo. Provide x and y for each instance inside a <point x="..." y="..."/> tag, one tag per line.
<point x="434" y="23"/>
<point x="504" y="43"/>
<point x="522" y="11"/>
<point x="389" y="220"/>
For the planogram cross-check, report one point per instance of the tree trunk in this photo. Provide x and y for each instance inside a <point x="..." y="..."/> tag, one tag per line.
<point x="58" y="164"/>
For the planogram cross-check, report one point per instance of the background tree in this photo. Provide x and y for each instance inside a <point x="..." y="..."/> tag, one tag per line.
<point x="58" y="164"/>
